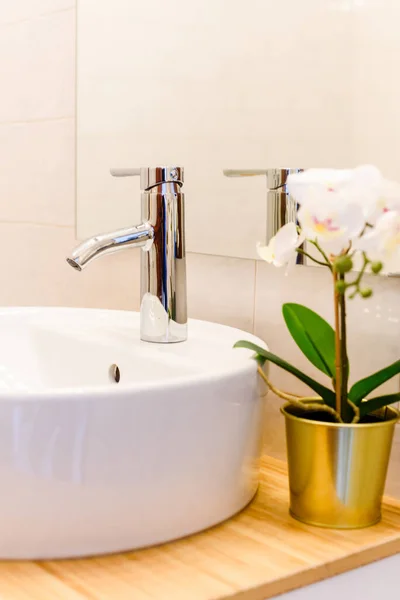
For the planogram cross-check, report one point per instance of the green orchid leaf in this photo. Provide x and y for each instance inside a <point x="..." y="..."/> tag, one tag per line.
<point x="263" y="355"/>
<point x="362" y="388"/>
<point x="313" y="335"/>
<point x="369" y="406"/>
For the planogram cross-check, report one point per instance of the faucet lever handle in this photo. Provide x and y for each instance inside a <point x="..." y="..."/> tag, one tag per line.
<point x="125" y="172"/>
<point x="152" y="176"/>
<point x="276" y="178"/>
<point x="244" y="172"/>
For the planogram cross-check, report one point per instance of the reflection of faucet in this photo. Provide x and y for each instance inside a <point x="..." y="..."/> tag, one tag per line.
<point x="281" y="207"/>
<point x="161" y="235"/>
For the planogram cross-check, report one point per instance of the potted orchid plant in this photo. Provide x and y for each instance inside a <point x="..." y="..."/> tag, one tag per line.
<point x="339" y="437"/>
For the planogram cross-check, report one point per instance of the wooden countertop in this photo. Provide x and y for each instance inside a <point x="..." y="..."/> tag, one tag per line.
<point x="258" y="554"/>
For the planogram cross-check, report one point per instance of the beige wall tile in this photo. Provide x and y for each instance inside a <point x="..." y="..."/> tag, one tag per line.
<point x="19" y="10"/>
<point x="37" y="172"/>
<point x="37" y="273"/>
<point x="376" y="91"/>
<point x="37" y="68"/>
<point x="221" y="290"/>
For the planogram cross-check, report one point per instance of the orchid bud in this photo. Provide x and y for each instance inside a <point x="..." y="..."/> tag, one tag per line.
<point x="366" y="292"/>
<point x="343" y="264"/>
<point x="341" y="287"/>
<point x="376" y="267"/>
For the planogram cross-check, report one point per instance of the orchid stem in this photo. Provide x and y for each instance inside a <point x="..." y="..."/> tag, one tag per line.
<point x="346" y="411"/>
<point x="318" y="247"/>
<point x="307" y="403"/>
<point x="357" y="281"/>
<point x="319" y="262"/>
<point x="338" y="361"/>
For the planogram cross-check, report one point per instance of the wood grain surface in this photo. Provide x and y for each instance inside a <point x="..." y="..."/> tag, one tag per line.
<point x="258" y="554"/>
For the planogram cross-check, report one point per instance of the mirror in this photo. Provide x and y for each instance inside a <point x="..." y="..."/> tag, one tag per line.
<point x="216" y="85"/>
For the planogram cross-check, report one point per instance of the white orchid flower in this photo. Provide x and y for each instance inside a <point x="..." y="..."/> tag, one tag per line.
<point x="382" y="242"/>
<point x="388" y="200"/>
<point x="331" y="224"/>
<point x="356" y="186"/>
<point x="335" y="203"/>
<point x="282" y="249"/>
<point x="364" y="186"/>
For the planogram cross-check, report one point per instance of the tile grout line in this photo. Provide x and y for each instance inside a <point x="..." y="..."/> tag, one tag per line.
<point x="35" y="224"/>
<point x="39" y="120"/>
<point x="213" y="255"/>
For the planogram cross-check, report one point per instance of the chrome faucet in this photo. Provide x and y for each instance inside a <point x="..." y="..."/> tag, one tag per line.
<point x="281" y="207"/>
<point x="161" y="235"/>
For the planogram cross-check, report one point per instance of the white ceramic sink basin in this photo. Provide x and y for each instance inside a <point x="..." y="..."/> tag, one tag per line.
<point x="88" y="465"/>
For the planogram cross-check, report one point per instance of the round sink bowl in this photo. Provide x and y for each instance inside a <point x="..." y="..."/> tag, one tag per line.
<point x="108" y="443"/>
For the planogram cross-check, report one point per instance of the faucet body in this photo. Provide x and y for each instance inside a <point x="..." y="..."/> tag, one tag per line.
<point x="161" y="236"/>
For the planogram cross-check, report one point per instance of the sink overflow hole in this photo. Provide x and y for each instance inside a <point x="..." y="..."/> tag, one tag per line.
<point x="115" y="374"/>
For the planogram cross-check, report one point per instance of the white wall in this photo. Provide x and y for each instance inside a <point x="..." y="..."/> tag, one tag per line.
<point x="376" y="90"/>
<point x="208" y="85"/>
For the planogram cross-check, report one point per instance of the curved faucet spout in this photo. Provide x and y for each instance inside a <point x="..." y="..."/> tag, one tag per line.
<point x="108" y="243"/>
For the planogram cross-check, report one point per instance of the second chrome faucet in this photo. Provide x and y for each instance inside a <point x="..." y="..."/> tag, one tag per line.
<point x="161" y="236"/>
<point x="281" y="207"/>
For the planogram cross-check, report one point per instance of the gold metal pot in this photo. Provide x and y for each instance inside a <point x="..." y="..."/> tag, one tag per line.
<point x="337" y="472"/>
